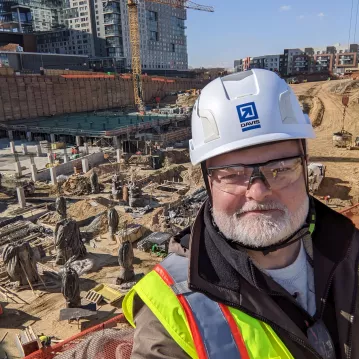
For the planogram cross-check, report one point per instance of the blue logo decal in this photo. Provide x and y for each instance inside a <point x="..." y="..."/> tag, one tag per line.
<point x="248" y="116"/>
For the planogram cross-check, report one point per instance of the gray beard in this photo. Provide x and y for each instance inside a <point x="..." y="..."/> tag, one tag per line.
<point x="261" y="230"/>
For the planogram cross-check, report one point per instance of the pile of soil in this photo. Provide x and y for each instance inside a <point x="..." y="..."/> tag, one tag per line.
<point x="186" y="100"/>
<point x="193" y="176"/>
<point x="85" y="209"/>
<point x="176" y="156"/>
<point x="77" y="186"/>
<point x="313" y="106"/>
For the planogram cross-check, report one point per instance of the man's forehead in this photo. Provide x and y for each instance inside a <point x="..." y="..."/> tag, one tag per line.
<point x="259" y="153"/>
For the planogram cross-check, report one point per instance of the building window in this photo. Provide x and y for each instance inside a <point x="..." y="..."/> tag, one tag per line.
<point x="153" y="16"/>
<point x="173" y="47"/>
<point x="154" y="35"/>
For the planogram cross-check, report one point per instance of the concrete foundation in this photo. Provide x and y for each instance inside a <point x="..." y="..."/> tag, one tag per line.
<point x="38" y="151"/>
<point x="118" y="155"/>
<point x="85" y="165"/>
<point x="21" y="197"/>
<point x="52" y="137"/>
<point x="78" y="140"/>
<point x="12" y="147"/>
<point x="53" y="175"/>
<point x="24" y="149"/>
<point x="18" y="169"/>
<point x="86" y="148"/>
<point x="33" y="172"/>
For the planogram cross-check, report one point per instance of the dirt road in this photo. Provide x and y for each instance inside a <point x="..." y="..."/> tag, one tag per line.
<point x="342" y="175"/>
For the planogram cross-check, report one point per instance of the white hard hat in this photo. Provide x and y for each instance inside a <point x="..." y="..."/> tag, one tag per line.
<point x="242" y="110"/>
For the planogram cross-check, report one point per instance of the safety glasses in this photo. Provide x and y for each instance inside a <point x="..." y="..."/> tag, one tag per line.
<point x="276" y="174"/>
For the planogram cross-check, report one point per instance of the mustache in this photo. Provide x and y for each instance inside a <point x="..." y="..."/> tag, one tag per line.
<point x="264" y="206"/>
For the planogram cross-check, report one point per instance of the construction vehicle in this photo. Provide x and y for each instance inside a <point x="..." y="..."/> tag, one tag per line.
<point x="343" y="138"/>
<point x="135" y="40"/>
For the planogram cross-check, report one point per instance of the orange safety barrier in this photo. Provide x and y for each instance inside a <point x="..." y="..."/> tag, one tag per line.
<point x="69" y="343"/>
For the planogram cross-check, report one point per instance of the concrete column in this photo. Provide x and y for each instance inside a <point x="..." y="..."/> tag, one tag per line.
<point x="78" y="140"/>
<point x="38" y="151"/>
<point x="52" y="137"/>
<point x="86" y="148"/>
<point x="29" y="136"/>
<point x="12" y="147"/>
<point x="21" y="197"/>
<point x="66" y="157"/>
<point x="118" y="154"/>
<point x="85" y="165"/>
<point x="33" y="172"/>
<point x="115" y="141"/>
<point x="18" y="169"/>
<point x="49" y="158"/>
<point x="53" y="175"/>
<point x="24" y="148"/>
<point x="10" y="134"/>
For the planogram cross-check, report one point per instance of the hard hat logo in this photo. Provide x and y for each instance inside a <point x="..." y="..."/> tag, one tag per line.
<point x="248" y="116"/>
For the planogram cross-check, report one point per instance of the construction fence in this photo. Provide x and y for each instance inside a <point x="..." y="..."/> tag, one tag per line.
<point x="98" y="342"/>
<point x="25" y="97"/>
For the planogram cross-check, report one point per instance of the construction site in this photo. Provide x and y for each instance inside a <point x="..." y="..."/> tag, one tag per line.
<point x="95" y="210"/>
<point x="95" y="179"/>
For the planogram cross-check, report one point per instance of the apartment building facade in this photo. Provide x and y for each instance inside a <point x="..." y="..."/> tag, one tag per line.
<point x="334" y="59"/>
<point x="100" y="28"/>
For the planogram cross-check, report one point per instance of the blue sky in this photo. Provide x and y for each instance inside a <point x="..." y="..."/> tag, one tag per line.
<point x="240" y="28"/>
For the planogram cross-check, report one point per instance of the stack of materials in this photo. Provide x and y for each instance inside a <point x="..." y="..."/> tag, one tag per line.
<point x="70" y="287"/>
<point x="68" y="241"/>
<point x="95" y="187"/>
<point x="60" y="206"/>
<point x="116" y="188"/>
<point x="135" y="198"/>
<point x="125" y="260"/>
<point x="113" y="220"/>
<point x="20" y="263"/>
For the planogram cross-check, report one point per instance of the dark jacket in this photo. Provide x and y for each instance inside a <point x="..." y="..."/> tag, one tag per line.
<point x="227" y="275"/>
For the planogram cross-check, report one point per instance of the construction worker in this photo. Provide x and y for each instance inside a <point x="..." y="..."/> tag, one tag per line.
<point x="269" y="271"/>
<point x="45" y="340"/>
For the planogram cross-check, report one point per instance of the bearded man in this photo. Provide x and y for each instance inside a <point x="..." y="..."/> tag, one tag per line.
<point x="266" y="271"/>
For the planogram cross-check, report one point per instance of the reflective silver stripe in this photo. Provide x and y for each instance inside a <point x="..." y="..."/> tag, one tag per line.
<point x="213" y="326"/>
<point x="181" y="288"/>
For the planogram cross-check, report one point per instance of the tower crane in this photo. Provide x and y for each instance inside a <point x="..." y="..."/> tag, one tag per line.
<point x="135" y="39"/>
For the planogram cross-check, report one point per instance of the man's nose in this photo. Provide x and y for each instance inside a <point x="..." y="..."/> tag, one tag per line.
<point x="258" y="190"/>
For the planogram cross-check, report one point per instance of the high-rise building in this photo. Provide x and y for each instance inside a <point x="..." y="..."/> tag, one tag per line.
<point x="15" y="16"/>
<point x="100" y="28"/>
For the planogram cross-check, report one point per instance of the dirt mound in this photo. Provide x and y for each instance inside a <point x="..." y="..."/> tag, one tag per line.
<point x="186" y="100"/>
<point x="313" y="107"/>
<point x="193" y="176"/>
<point x="76" y="186"/>
<point x="85" y="209"/>
<point x="173" y="172"/>
<point x="176" y="156"/>
<point x="344" y="86"/>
